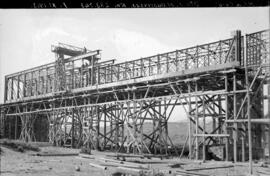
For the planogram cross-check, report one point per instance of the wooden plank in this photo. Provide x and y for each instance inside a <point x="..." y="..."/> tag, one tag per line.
<point x="262" y="121"/>
<point x="57" y="154"/>
<point x="212" y="135"/>
<point x="86" y="156"/>
<point x="122" y="163"/>
<point x="190" y="173"/>
<point x="98" y="166"/>
<point x="182" y="152"/>
<point x="135" y="172"/>
<point x="138" y="156"/>
<point x="209" y="168"/>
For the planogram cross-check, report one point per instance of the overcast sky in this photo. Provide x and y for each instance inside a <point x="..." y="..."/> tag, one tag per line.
<point x="123" y="34"/>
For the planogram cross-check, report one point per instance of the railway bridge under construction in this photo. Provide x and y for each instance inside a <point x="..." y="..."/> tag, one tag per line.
<point x="81" y="101"/>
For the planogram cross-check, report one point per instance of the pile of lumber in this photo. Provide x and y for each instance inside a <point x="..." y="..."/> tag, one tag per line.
<point x="120" y="167"/>
<point x="134" y="169"/>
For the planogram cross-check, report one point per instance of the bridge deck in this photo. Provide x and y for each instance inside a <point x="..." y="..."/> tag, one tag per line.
<point x="81" y="75"/>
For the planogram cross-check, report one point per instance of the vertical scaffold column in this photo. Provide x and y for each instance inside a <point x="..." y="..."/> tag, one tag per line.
<point x="190" y="123"/>
<point x="155" y="121"/>
<point x="97" y="127"/>
<point x="197" y="121"/>
<point x="72" y="128"/>
<point x="268" y="91"/>
<point x="248" y="112"/>
<point x="204" y="132"/>
<point x="235" y="125"/>
<point x="134" y="124"/>
<point x="165" y="121"/>
<point x="2" y="124"/>
<point x="116" y="126"/>
<point x="16" y="127"/>
<point x="226" y="118"/>
<point x="268" y="113"/>
<point x="160" y="128"/>
<point x="105" y="128"/>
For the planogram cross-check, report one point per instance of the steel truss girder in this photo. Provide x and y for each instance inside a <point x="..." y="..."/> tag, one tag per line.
<point x="55" y="77"/>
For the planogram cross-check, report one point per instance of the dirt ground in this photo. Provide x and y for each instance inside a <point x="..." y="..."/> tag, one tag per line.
<point x="28" y="164"/>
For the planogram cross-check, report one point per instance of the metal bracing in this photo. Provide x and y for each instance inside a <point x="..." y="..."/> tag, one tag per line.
<point x="125" y="107"/>
<point x="83" y="71"/>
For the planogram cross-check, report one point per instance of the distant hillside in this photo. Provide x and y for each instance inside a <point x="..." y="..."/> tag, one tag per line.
<point x="178" y="131"/>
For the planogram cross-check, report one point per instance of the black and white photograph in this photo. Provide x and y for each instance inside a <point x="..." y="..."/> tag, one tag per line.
<point x="135" y="92"/>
